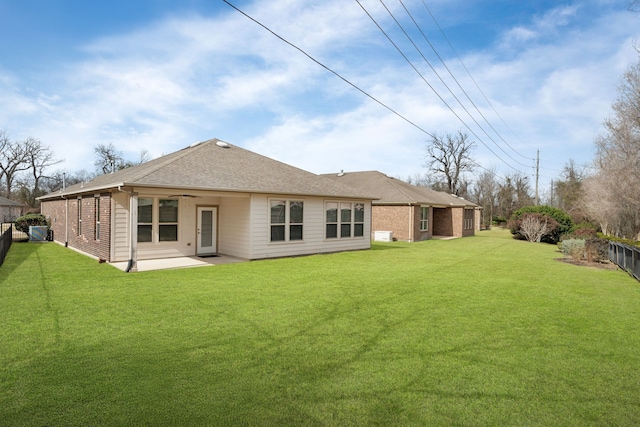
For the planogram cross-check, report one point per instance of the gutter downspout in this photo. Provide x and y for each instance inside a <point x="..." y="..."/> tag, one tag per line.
<point x="66" y="222"/>
<point x="411" y="223"/>
<point x="132" y="264"/>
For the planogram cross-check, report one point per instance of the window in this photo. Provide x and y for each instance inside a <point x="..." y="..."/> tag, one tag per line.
<point x="286" y="219"/>
<point x="331" y="209"/>
<point x="347" y="223"/>
<point x="296" y="210"/>
<point x="168" y="220"/>
<point x="424" y="218"/>
<point x="278" y="216"/>
<point x="157" y="220"/>
<point x="97" y="216"/>
<point x="145" y="220"/>
<point x="79" y="216"/>
<point x="468" y="219"/>
<point x="358" y="220"/>
<point x="345" y="219"/>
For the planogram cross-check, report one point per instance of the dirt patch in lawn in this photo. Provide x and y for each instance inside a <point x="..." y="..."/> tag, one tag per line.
<point x="604" y="265"/>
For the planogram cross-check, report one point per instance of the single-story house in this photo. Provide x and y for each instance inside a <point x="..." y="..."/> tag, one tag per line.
<point x="410" y="212"/>
<point x="10" y="210"/>
<point x="209" y="198"/>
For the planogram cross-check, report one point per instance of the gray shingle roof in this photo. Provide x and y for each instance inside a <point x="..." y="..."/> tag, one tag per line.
<point x="392" y="191"/>
<point x="217" y="165"/>
<point x="7" y="202"/>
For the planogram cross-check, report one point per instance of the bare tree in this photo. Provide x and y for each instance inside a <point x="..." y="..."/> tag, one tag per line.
<point x="109" y="159"/>
<point x="612" y="196"/>
<point x="13" y="160"/>
<point x="485" y="192"/>
<point x="568" y="190"/>
<point x="450" y="156"/>
<point x="533" y="227"/>
<point x="38" y="159"/>
<point x="513" y="193"/>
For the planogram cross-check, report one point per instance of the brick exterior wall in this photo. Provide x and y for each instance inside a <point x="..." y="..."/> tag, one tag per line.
<point x="442" y="222"/>
<point x="403" y="221"/>
<point x="85" y="239"/>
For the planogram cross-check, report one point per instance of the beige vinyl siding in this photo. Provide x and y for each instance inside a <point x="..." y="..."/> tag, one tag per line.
<point x="120" y="227"/>
<point x="234" y="226"/>
<point x="313" y="230"/>
<point x="186" y="245"/>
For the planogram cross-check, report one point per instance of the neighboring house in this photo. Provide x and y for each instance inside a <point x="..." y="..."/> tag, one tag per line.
<point x="411" y="212"/>
<point x="10" y="210"/>
<point x="209" y="198"/>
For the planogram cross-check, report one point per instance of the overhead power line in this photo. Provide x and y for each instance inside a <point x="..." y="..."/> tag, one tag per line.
<point x="463" y="90"/>
<point x="330" y="70"/>
<point x="474" y="82"/>
<point x="429" y="84"/>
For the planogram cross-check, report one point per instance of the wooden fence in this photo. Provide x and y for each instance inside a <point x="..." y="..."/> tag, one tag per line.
<point x="626" y="257"/>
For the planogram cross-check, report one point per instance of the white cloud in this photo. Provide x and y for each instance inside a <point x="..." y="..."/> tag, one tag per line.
<point x="192" y="77"/>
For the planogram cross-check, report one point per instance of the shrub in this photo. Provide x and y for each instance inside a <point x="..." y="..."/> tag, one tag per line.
<point x="574" y="248"/>
<point x="596" y="249"/>
<point x="532" y="226"/>
<point x="562" y="219"/>
<point x="581" y="233"/>
<point x="24" y="222"/>
<point x="620" y="240"/>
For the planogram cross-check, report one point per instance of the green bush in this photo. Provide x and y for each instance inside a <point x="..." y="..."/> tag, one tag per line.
<point x="24" y="222"/>
<point x="565" y="223"/>
<point x="574" y="248"/>
<point x="620" y="240"/>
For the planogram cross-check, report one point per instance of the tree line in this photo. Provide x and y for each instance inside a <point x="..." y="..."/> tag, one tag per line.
<point x="27" y="168"/>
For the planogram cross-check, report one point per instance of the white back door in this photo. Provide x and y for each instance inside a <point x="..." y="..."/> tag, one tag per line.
<point x="207" y="226"/>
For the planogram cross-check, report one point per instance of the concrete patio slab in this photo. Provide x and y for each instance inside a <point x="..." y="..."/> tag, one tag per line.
<point x="179" y="262"/>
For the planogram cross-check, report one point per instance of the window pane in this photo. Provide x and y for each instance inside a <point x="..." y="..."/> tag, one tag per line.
<point x="145" y="210"/>
<point x="358" y="230"/>
<point x="168" y="233"/>
<point x="144" y="233"/>
<point x="345" y="212"/>
<point x="168" y="211"/>
<point x="295" y="232"/>
<point x="345" y="230"/>
<point x="295" y="212"/>
<point x="358" y="214"/>
<point x="206" y="235"/>
<point x="332" y="212"/>
<point x="277" y="233"/>
<point x="278" y="211"/>
<point x="332" y="231"/>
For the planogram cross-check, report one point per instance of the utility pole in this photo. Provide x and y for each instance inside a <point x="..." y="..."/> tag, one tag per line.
<point x="537" y="176"/>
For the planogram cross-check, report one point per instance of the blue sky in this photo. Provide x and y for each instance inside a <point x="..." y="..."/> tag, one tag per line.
<point x="160" y="75"/>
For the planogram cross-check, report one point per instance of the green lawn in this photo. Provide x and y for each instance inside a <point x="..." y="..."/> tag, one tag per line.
<point x="477" y="331"/>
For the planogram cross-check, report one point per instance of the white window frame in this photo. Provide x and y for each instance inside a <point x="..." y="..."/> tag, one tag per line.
<point x="287" y="224"/>
<point x="79" y="215"/>
<point x="340" y="222"/>
<point x="155" y="221"/>
<point x="96" y="211"/>
<point x="424" y="218"/>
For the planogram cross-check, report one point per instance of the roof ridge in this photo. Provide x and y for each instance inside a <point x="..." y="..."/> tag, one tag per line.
<point x="178" y="155"/>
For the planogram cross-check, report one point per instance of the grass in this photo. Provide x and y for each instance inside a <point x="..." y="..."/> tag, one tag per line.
<point x="477" y="331"/>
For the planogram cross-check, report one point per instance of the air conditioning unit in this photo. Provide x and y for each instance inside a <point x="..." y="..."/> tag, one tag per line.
<point x="383" y="236"/>
<point x="38" y="233"/>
